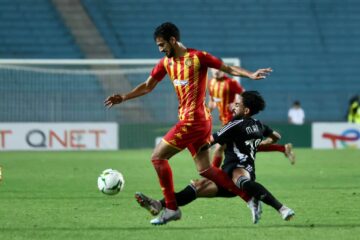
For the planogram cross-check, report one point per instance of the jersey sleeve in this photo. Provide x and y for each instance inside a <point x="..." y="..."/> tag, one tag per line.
<point x="236" y="87"/>
<point x="267" y="131"/>
<point x="220" y="139"/>
<point x="226" y="133"/>
<point x="159" y="71"/>
<point x="209" y="60"/>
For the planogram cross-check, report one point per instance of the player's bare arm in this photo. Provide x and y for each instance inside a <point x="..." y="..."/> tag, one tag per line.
<point x="140" y="90"/>
<point x="273" y="138"/>
<point x="238" y="71"/>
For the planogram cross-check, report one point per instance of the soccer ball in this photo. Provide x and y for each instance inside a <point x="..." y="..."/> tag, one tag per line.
<point x="111" y="182"/>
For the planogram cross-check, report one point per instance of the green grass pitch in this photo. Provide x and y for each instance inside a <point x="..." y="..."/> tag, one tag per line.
<point x="53" y="195"/>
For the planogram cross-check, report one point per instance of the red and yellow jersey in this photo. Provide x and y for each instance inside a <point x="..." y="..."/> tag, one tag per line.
<point x="189" y="77"/>
<point x="223" y="92"/>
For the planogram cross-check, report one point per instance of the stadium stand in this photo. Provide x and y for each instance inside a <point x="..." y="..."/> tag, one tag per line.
<point x="34" y="29"/>
<point x="311" y="45"/>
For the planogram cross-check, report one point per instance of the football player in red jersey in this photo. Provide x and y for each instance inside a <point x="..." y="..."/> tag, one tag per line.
<point x="223" y="90"/>
<point x="187" y="69"/>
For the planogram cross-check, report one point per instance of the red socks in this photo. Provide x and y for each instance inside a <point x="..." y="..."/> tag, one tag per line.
<point x="219" y="177"/>
<point x="271" y="148"/>
<point x="164" y="173"/>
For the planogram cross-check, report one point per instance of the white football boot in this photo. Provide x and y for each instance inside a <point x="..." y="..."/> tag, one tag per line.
<point x="166" y="216"/>
<point x="256" y="209"/>
<point x="286" y="213"/>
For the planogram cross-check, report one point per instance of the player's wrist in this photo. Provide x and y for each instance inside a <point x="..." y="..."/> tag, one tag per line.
<point x="123" y="97"/>
<point x="250" y="75"/>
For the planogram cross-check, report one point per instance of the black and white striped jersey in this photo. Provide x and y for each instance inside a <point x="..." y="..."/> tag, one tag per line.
<point x="242" y="137"/>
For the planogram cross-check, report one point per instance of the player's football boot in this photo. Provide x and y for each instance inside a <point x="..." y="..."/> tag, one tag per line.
<point x="166" y="215"/>
<point x="153" y="206"/>
<point x="286" y="213"/>
<point x="256" y="210"/>
<point x="289" y="153"/>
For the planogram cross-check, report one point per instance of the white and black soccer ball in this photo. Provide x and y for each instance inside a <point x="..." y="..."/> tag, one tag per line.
<point x="111" y="182"/>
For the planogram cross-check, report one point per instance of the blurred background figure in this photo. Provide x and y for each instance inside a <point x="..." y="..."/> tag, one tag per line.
<point x="353" y="114"/>
<point x="296" y="114"/>
<point x="223" y="90"/>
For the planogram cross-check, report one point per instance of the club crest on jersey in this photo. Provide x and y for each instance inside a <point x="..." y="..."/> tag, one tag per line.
<point x="188" y="62"/>
<point x="178" y="82"/>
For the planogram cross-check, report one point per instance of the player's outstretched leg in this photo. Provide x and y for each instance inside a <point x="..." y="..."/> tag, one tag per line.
<point x="260" y="192"/>
<point x="166" y="216"/>
<point x="286" y="213"/>
<point x="289" y="153"/>
<point x="153" y="206"/>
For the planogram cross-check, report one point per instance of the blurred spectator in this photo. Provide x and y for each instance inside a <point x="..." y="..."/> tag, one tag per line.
<point x="354" y="110"/>
<point x="296" y="114"/>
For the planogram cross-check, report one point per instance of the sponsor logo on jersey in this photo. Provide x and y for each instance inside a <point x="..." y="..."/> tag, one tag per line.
<point x="178" y="82"/>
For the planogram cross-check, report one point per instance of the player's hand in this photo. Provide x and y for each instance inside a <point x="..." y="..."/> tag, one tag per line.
<point x="261" y="73"/>
<point x="113" y="100"/>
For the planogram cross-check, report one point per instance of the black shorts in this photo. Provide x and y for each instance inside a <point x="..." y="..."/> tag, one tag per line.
<point x="228" y="168"/>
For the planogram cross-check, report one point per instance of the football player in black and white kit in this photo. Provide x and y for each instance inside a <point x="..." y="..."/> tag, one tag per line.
<point x="241" y="136"/>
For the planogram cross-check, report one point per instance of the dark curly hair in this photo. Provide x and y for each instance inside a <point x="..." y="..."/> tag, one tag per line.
<point x="166" y="31"/>
<point x="254" y="101"/>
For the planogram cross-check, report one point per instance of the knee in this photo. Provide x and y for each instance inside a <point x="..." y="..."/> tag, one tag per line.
<point x="163" y="151"/>
<point x="241" y="182"/>
<point x="154" y="155"/>
<point x="157" y="153"/>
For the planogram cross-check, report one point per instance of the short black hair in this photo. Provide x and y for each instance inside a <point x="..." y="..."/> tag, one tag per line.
<point x="254" y="101"/>
<point x="166" y="31"/>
